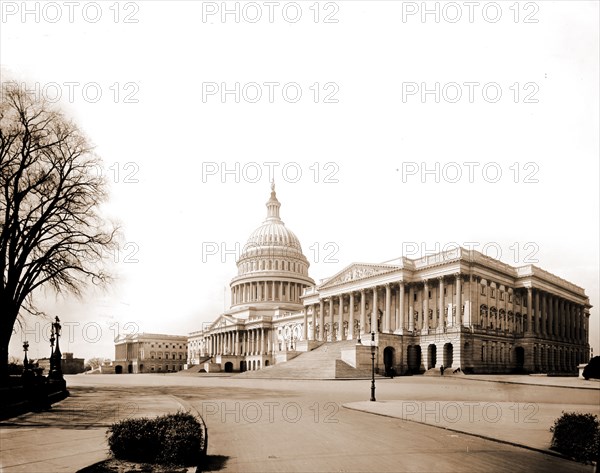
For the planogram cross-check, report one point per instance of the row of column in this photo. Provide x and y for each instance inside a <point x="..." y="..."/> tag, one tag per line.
<point x="239" y="343"/>
<point x="550" y="316"/>
<point x="264" y="291"/>
<point x="554" y="317"/>
<point x="552" y="358"/>
<point x="405" y="314"/>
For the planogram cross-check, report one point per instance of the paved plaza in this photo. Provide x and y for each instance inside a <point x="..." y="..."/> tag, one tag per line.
<point x="424" y="423"/>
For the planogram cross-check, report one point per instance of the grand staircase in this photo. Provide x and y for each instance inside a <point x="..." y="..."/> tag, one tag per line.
<point x="323" y="362"/>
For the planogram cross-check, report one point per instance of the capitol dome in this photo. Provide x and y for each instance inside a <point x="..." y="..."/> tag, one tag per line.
<point x="272" y="234"/>
<point x="271" y="267"/>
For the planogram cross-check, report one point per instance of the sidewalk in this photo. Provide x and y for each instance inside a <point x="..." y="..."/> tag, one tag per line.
<point x="514" y="423"/>
<point x="538" y="380"/>
<point x="72" y="435"/>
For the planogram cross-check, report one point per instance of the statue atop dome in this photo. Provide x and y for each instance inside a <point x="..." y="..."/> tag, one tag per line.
<point x="273" y="206"/>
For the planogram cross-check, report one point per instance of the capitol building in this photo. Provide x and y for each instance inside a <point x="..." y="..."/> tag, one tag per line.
<point x="456" y="309"/>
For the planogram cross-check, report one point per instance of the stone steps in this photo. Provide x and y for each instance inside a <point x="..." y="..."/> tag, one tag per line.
<point x="321" y="363"/>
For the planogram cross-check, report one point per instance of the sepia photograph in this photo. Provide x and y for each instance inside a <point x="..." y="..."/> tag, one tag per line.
<point x="299" y="236"/>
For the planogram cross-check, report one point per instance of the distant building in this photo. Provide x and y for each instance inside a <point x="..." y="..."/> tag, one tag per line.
<point x="150" y="353"/>
<point x="69" y="365"/>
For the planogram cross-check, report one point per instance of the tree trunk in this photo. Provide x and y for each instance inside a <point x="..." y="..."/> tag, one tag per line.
<point x="7" y="323"/>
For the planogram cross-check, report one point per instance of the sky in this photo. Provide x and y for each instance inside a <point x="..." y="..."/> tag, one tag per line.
<point x="389" y="128"/>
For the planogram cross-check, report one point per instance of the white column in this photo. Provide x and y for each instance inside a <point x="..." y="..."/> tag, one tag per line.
<point x="459" y="319"/>
<point x="529" y="311"/>
<point x="441" y="303"/>
<point x="305" y="327"/>
<point x="388" y="309"/>
<point x="411" y="310"/>
<point x="268" y="340"/>
<point x="425" y="326"/>
<point x="321" y="320"/>
<point x="312" y="333"/>
<point x="330" y="336"/>
<point x="402" y="307"/>
<point x="351" y="317"/>
<point x="374" y="312"/>
<point x="363" y="317"/>
<point x="340" y="335"/>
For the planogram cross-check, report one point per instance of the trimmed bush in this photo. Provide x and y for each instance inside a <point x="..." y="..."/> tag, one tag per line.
<point x="172" y="439"/>
<point x="592" y="369"/>
<point x="577" y="436"/>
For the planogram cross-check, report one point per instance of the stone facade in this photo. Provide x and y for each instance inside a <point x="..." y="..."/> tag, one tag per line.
<point x="458" y="308"/>
<point x="68" y="364"/>
<point x="150" y="353"/>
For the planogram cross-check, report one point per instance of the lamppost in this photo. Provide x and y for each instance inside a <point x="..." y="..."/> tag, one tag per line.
<point x="372" y="366"/>
<point x="57" y="373"/>
<point x="52" y="339"/>
<point x="25" y="360"/>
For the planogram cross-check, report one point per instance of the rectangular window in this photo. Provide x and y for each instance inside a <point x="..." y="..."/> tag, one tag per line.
<point x="501" y="295"/>
<point x="483" y="290"/>
<point x="492" y="292"/>
<point x="444" y="291"/>
<point x="429" y="294"/>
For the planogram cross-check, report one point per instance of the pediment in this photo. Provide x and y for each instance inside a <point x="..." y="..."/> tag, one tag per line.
<point x="223" y="321"/>
<point x="357" y="271"/>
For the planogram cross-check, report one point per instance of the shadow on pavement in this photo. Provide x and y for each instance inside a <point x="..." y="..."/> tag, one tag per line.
<point x="213" y="463"/>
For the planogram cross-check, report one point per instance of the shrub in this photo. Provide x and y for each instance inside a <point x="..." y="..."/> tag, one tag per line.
<point x="577" y="436"/>
<point x="172" y="439"/>
<point x="592" y="369"/>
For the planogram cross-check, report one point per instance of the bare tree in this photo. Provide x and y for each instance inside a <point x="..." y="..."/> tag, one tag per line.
<point x="95" y="362"/>
<point x="51" y="234"/>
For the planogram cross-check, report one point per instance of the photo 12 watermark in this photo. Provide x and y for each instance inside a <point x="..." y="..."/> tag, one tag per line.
<point x="92" y="414"/>
<point x="116" y="172"/>
<point x="270" y="12"/>
<point x="270" y="92"/>
<point x="275" y="258"/>
<point x="69" y="12"/>
<point x="87" y="92"/>
<point x="75" y="331"/>
<point x="471" y="172"/>
<point x="253" y="172"/>
<point x="470" y="92"/>
<point x="451" y="412"/>
<point x="517" y="252"/>
<point x="252" y="412"/>
<point x="470" y="12"/>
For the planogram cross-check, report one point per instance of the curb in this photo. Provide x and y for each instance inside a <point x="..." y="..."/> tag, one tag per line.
<point x="485" y="437"/>
<point x="531" y="384"/>
<point x="192" y="410"/>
